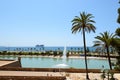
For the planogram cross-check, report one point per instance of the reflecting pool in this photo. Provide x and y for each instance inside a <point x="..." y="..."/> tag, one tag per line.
<point x="50" y="62"/>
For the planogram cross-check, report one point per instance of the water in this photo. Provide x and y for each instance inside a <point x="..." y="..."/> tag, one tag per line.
<point x="63" y="64"/>
<point x="45" y="48"/>
<point x="64" y="53"/>
<point x="43" y="62"/>
<point x="48" y="62"/>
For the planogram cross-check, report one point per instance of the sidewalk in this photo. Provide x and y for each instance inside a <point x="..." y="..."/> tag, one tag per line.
<point x="70" y="76"/>
<point x="28" y="73"/>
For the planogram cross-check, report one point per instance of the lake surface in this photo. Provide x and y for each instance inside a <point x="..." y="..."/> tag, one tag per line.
<point x="49" y="62"/>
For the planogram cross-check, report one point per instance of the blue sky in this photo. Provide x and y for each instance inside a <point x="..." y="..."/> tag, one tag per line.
<point x="48" y="22"/>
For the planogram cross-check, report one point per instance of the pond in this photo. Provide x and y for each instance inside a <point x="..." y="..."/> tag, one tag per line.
<point x="51" y="62"/>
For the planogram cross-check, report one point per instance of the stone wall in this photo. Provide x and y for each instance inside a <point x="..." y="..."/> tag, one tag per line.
<point x="32" y="78"/>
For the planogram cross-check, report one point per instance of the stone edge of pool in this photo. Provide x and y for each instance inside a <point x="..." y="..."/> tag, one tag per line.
<point x="32" y="78"/>
<point x="11" y="64"/>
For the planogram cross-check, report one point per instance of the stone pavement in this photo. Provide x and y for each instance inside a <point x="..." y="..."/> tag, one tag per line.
<point x="69" y="76"/>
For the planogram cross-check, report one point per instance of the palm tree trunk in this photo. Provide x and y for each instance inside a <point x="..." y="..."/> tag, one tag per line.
<point x="87" y="76"/>
<point x="109" y="60"/>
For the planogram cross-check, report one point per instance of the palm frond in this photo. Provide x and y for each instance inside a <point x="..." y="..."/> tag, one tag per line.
<point x="83" y="21"/>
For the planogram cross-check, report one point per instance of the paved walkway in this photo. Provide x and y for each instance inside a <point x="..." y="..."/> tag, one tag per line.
<point x="70" y="76"/>
<point x="28" y="73"/>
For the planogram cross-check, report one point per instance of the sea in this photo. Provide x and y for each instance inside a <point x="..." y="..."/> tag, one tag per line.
<point x="46" y="48"/>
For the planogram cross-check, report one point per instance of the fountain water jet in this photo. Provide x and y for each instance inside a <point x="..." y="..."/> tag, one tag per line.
<point x="63" y="65"/>
<point x="64" y="53"/>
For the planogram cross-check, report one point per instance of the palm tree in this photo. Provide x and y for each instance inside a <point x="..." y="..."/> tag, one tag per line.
<point x="118" y="19"/>
<point x="105" y="39"/>
<point x="84" y="24"/>
<point x="100" y="47"/>
<point x="116" y="44"/>
<point x="118" y="31"/>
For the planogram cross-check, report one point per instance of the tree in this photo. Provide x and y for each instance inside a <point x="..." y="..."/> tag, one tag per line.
<point x="117" y="32"/>
<point x="118" y="19"/>
<point x="100" y="47"/>
<point x="105" y="39"/>
<point x="87" y="50"/>
<point x="117" y="40"/>
<point x="116" y="45"/>
<point x="83" y="23"/>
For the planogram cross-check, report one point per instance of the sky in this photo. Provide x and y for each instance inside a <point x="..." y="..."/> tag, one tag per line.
<point x="48" y="22"/>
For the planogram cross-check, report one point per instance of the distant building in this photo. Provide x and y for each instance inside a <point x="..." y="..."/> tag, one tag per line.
<point x="40" y="48"/>
<point x="39" y="45"/>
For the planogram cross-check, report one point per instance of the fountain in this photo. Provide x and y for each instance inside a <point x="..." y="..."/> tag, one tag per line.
<point x="64" y="53"/>
<point x="63" y="65"/>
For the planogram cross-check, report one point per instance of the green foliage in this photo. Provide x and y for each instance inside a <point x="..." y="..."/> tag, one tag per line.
<point x="67" y="54"/>
<point x="118" y="19"/>
<point x="117" y="65"/>
<point x="83" y="21"/>
<point x="61" y="53"/>
<point x="42" y="53"/>
<point x="118" y="31"/>
<point x="87" y="50"/>
<point x="48" y="53"/>
<point x="105" y="40"/>
<point x="55" y="53"/>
